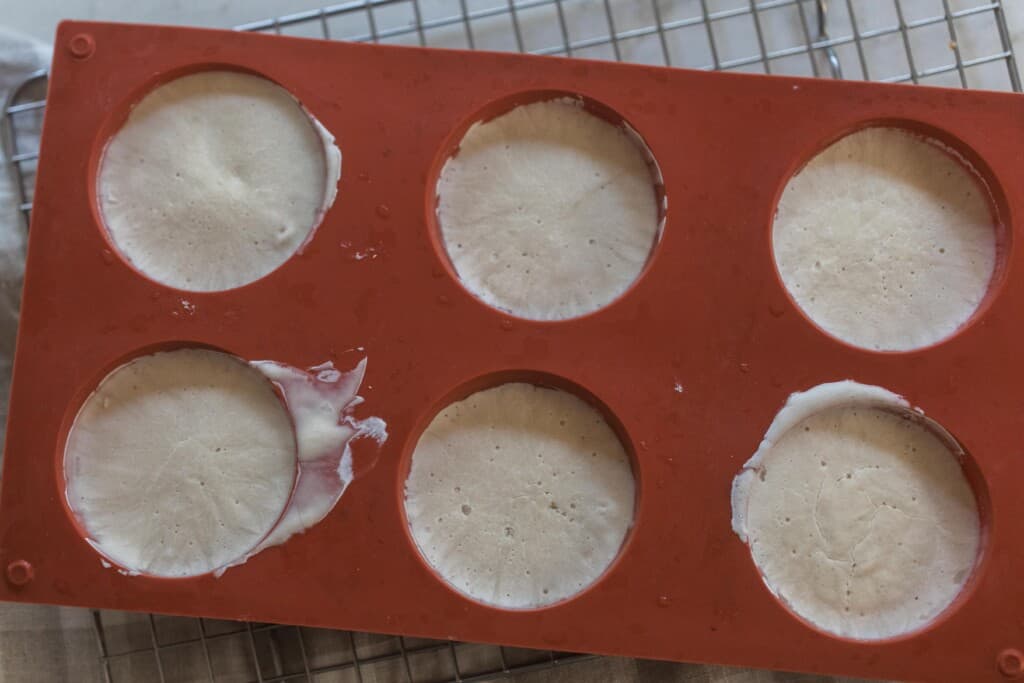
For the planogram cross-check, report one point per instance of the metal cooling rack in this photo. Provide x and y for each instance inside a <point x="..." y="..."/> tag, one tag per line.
<point x="954" y="43"/>
<point x="146" y="647"/>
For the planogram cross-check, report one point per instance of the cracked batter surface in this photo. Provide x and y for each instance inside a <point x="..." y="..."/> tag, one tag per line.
<point x="519" y="496"/>
<point x="548" y="212"/>
<point x="858" y="517"/>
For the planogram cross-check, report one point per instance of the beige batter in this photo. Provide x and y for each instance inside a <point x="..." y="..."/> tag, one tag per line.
<point x="548" y="212"/>
<point x="519" y="496"/>
<point x="859" y="519"/>
<point x="180" y="462"/>
<point x="885" y="240"/>
<point x="215" y="180"/>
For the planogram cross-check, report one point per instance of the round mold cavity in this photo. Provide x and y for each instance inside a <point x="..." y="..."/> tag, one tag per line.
<point x="176" y="379"/>
<point x="498" y="496"/>
<point x="892" y="237"/>
<point x="234" y="182"/>
<point x="867" y="520"/>
<point x="534" y="163"/>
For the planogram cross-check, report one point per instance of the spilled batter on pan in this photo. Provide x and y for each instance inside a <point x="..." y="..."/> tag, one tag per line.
<point x="186" y="462"/>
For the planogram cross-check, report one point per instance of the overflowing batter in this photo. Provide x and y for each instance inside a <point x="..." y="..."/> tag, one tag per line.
<point x="857" y="512"/>
<point x="186" y="462"/>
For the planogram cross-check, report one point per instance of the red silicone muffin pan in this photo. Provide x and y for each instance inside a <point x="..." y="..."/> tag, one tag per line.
<point x="708" y="312"/>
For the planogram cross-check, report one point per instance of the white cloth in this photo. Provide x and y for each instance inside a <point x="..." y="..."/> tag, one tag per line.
<point x="20" y="56"/>
<point x="37" y="642"/>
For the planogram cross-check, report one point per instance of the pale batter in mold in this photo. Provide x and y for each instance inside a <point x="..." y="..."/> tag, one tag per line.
<point x="186" y="462"/>
<point x="547" y="211"/>
<point x="180" y="462"/>
<point x="885" y="240"/>
<point x="215" y="180"/>
<point x="857" y="514"/>
<point x="519" y="496"/>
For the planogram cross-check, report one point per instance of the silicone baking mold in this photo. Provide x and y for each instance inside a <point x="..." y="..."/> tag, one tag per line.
<point x="708" y="314"/>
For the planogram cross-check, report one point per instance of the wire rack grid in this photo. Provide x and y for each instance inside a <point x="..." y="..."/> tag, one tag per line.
<point x="956" y="43"/>
<point x="146" y="647"/>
